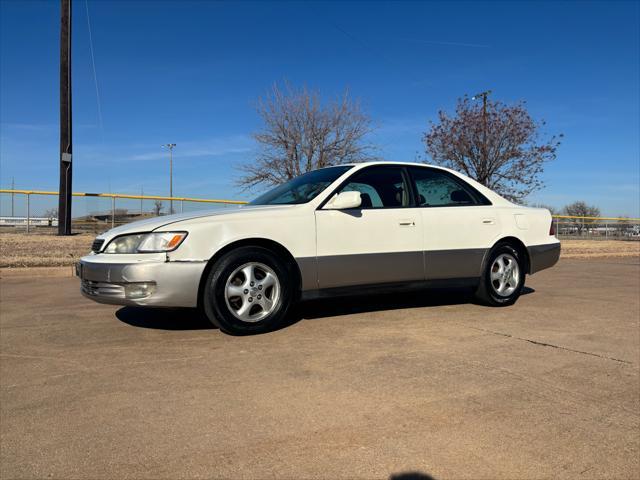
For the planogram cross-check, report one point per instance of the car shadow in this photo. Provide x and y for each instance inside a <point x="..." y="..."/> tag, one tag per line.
<point x="193" y="319"/>
<point x="164" y="318"/>
<point x="411" y="476"/>
<point x="364" y="303"/>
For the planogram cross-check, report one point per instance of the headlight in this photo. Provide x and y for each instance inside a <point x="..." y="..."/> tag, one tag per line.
<point x="161" y="242"/>
<point x="146" y="242"/>
<point x="124" y="244"/>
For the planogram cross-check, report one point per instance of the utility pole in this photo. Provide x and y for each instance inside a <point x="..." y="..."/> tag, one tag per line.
<point x="484" y="96"/>
<point x="170" y="146"/>
<point x="13" y="187"/>
<point x="141" y="199"/>
<point x="64" y="196"/>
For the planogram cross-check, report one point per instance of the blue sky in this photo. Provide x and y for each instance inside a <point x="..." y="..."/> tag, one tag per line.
<point x="190" y="73"/>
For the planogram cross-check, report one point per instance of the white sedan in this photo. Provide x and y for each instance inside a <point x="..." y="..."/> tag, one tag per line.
<point x="371" y="226"/>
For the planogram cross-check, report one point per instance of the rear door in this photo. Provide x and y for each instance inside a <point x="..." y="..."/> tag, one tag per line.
<point x="380" y="242"/>
<point x="459" y="224"/>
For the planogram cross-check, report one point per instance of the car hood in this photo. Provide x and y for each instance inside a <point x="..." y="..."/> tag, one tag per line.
<point x="150" y="224"/>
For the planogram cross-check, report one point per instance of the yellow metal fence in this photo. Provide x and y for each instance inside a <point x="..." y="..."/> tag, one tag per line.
<point x="566" y="226"/>
<point x="122" y="195"/>
<point x="111" y="214"/>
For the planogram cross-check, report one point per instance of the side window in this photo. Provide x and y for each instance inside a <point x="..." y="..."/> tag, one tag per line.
<point x="368" y="194"/>
<point x="380" y="187"/>
<point x="439" y="189"/>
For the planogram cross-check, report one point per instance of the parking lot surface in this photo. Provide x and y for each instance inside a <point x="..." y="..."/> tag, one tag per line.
<point x="366" y="387"/>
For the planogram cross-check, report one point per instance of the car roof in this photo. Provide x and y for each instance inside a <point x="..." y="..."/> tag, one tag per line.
<point x="389" y="162"/>
<point x="407" y="164"/>
<point x="386" y="162"/>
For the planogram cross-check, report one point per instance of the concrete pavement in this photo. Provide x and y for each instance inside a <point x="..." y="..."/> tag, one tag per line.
<point x="366" y="387"/>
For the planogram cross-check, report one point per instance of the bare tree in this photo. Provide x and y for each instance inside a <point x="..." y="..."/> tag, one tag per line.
<point x="51" y="213"/>
<point x="553" y="210"/>
<point x="157" y="207"/>
<point x="581" y="209"/>
<point x="300" y="134"/>
<point x="498" y="145"/>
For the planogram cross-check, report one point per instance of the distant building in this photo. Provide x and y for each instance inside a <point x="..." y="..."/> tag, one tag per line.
<point x="33" y="221"/>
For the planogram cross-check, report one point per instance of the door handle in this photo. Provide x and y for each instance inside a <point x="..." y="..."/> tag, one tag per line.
<point x="407" y="223"/>
<point x="488" y="221"/>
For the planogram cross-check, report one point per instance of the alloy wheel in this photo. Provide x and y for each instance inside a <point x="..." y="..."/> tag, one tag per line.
<point x="252" y="292"/>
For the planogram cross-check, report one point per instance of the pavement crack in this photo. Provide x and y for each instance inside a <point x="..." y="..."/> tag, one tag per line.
<point x="545" y="344"/>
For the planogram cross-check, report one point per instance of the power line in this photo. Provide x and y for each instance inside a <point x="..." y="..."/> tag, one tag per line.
<point x="93" y="65"/>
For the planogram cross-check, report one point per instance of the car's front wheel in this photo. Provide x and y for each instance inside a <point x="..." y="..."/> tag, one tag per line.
<point x="248" y="290"/>
<point x="503" y="276"/>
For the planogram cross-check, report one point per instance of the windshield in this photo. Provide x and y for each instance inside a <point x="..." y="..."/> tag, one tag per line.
<point x="301" y="189"/>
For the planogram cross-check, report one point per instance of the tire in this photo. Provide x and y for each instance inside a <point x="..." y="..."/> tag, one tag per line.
<point x="498" y="287"/>
<point x="248" y="290"/>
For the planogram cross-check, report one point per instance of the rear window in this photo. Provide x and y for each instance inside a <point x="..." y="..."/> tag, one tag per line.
<point x="437" y="188"/>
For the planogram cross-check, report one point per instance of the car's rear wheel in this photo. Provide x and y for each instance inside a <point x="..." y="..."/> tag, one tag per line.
<point x="248" y="290"/>
<point x="503" y="276"/>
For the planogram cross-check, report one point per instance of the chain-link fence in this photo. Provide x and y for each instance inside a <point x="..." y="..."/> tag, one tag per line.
<point x="35" y="211"/>
<point x="597" y="228"/>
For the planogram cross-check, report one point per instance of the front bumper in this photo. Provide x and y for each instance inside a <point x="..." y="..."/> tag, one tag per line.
<point x="140" y="279"/>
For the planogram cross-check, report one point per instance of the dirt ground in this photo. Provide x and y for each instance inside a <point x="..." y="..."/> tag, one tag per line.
<point x="600" y="248"/>
<point x="358" y="388"/>
<point x="21" y="250"/>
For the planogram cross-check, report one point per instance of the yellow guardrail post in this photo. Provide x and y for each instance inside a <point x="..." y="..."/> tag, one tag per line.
<point x="28" y="211"/>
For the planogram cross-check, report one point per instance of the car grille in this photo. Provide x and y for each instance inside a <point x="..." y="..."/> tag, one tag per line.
<point x="97" y="245"/>
<point x="102" y="289"/>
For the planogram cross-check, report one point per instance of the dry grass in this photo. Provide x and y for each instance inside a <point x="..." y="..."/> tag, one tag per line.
<point x="21" y="250"/>
<point x="599" y="248"/>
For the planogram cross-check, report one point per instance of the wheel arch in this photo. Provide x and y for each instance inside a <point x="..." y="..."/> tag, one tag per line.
<point x="515" y="243"/>
<point x="271" y="245"/>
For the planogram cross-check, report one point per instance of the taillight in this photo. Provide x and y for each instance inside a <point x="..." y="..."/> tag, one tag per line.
<point x="552" y="228"/>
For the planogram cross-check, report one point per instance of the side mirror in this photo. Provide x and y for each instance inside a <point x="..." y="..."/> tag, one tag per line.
<point x="344" y="201"/>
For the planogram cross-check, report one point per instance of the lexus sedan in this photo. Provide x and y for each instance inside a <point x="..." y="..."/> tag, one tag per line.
<point x="369" y="226"/>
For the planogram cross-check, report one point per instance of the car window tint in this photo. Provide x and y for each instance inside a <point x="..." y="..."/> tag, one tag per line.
<point x="380" y="187"/>
<point x="439" y="189"/>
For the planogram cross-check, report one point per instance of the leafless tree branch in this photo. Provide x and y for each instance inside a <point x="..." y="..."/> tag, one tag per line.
<point x="501" y="148"/>
<point x="300" y="134"/>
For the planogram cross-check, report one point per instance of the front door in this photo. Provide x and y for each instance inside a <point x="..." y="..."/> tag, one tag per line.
<point x="379" y="242"/>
